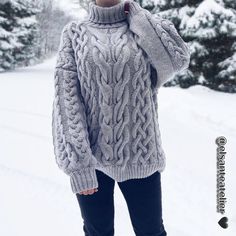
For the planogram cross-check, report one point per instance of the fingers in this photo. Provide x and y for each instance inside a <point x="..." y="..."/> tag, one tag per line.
<point x="88" y="192"/>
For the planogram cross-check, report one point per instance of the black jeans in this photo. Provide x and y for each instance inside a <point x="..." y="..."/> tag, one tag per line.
<point x="143" y="198"/>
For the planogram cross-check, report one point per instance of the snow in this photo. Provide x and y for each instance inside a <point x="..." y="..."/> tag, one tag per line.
<point x="36" y="198"/>
<point x="208" y="15"/>
<point x="26" y="21"/>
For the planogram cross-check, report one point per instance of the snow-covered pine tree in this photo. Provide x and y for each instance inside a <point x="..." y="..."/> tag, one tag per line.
<point x="7" y="39"/>
<point x="212" y="32"/>
<point x="209" y="28"/>
<point x="227" y="67"/>
<point x="21" y="27"/>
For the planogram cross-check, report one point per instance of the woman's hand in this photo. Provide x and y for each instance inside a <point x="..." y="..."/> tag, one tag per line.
<point x="89" y="192"/>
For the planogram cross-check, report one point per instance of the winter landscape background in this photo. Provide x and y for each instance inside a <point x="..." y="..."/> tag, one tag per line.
<point x="196" y="108"/>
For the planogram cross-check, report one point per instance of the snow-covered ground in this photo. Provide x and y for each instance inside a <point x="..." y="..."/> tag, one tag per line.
<point x="35" y="196"/>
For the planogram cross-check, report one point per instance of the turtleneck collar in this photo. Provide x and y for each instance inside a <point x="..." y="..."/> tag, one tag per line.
<point x="112" y="14"/>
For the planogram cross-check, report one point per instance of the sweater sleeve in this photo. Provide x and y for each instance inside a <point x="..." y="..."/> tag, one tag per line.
<point x="69" y="128"/>
<point x="158" y="37"/>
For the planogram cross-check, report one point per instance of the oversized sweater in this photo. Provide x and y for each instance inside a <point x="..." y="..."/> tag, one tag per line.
<point x="105" y="111"/>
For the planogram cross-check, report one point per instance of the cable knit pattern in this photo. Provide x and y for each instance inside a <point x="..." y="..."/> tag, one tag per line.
<point x="71" y="143"/>
<point x="167" y="51"/>
<point x="108" y="71"/>
<point x="171" y="40"/>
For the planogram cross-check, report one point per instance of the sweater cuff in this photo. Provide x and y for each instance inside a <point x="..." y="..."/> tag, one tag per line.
<point x="83" y="179"/>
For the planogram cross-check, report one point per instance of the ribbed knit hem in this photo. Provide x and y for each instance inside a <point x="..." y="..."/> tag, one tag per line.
<point x="132" y="171"/>
<point x="83" y="179"/>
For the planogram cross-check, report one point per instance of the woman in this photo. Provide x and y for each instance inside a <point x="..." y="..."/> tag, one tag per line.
<point x="109" y="68"/>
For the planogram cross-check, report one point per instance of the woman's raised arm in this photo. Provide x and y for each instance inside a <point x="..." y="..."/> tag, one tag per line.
<point x="158" y="37"/>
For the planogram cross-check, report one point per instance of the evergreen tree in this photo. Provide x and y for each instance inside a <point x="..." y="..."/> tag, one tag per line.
<point x="209" y="28"/>
<point x="18" y="42"/>
<point x="227" y="67"/>
<point x="212" y="32"/>
<point x="7" y="39"/>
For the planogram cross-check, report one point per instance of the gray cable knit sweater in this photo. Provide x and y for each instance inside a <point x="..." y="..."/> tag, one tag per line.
<point x="108" y="72"/>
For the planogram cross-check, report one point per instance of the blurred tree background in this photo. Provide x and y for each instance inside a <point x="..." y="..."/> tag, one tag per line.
<point x="29" y="31"/>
